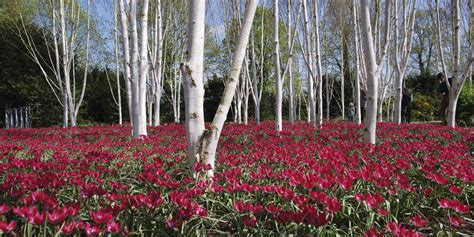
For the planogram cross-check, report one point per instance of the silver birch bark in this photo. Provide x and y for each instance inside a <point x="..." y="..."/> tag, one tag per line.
<point x="319" y="75"/>
<point x="205" y="143"/>
<point x="291" y="106"/>
<point x="357" y="60"/>
<point x="254" y="84"/>
<point x="343" y="111"/>
<point x="404" y="51"/>
<point x="192" y="70"/>
<point x="143" y="65"/>
<point x="65" y="63"/>
<point x="310" y="86"/>
<point x="276" y="58"/>
<point x="117" y="68"/>
<point x="459" y="77"/>
<point x="136" y="132"/>
<point x="126" y="58"/>
<point x="84" y="79"/>
<point x="158" y="63"/>
<point x="371" y="68"/>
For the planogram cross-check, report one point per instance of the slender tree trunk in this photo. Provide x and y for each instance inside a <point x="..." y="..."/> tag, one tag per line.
<point x="158" y="64"/>
<point x="319" y="76"/>
<point x="343" y="111"/>
<point x="255" y="94"/>
<point x="404" y="51"/>
<point x="143" y="65"/>
<point x="134" y="70"/>
<point x="117" y="69"/>
<point x="84" y="81"/>
<point x="292" y="112"/>
<point x="126" y="60"/>
<point x="372" y="80"/>
<point x="310" y="86"/>
<point x="276" y="58"/>
<point x="357" y="60"/>
<point x="65" y="63"/>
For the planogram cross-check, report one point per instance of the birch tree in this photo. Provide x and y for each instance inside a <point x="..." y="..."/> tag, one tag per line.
<point x="460" y="72"/>
<point x="402" y="52"/>
<point x="65" y="30"/>
<point x="202" y="142"/>
<point x="309" y="65"/>
<point x="126" y="57"/>
<point x="319" y="75"/>
<point x="291" y="93"/>
<point x="372" y="67"/>
<point x="136" y="61"/>
<point x="276" y="57"/>
<point x="117" y="68"/>
<point x="357" y="60"/>
<point x="157" y="62"/>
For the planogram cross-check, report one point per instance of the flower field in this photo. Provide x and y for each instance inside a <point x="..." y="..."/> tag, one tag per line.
<point x="418" y="180"/>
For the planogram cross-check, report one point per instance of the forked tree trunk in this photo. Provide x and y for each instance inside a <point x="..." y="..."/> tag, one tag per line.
<point x="459" y="77"/>
<point x="203" y="142"/>
<point x="404" y="51"/>
<point x="370" y="122"/>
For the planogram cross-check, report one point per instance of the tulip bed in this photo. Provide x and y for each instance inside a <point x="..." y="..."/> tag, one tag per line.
<point x="99" y="181"/>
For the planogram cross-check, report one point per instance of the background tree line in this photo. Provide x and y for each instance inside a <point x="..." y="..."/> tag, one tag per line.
<point x="22" y="82"/>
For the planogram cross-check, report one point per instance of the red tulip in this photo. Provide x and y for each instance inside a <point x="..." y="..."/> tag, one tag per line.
<point x="456" y="221"/>
<point x="418" y="221"/>
<point x="6" y="227"/>
<point x="91" y="230"/>
<point x="4" y="208"/>
<point x="113" y="227"/>
<point x="101" y="216"/>
<point x="57" y="216"/>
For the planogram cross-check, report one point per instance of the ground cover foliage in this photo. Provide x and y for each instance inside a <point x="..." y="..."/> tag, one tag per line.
<point x="97" y="180"/>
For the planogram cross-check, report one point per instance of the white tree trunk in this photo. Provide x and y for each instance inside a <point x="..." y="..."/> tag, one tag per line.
<point x="143" y="65"/>
<point x="126" y="60"/>
<point x="254" y="90"/>
<point x="158" y="63"/>
<point x="117" y="69"/>
<point x="357" y="60"/>
<point x="192" y="70"/>
<point x="84" y="81"/>
<point x="459" y="78"/>
<point x="205" y="150"/>
<point x="319" y="76"/>
<point x="66" y="62"/>
<point x="343" y="111"/>
<point x="276" y="58"/>
<point x="310" y="86"/>
<point x="404" y="51"/>
<point x="371" y="68"/>
<point x="291" y="106"/>
<point x="136" y="132"/>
